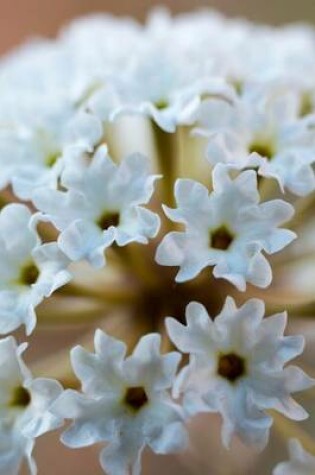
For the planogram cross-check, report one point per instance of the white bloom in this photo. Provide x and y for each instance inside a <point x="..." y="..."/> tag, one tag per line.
<point x="227" y="229"/>
<point x="143" y="92"/>
<point x="300" y="463"/>
<point x="235" y="49"/>
<point x="94" y="44"/>
<point x="29" y="270"/>
<point x="102" y="204"/>
<point x="159" y="79"/>
<point x="24" y="408"/>
<point x="262" y="130"/>
<point x="125" y="402"/>
<point x="236" y="368"/>
<point x="34" y="131"/>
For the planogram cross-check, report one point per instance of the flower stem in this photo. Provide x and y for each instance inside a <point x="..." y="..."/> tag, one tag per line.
<point x="66" y="311"/>
<point x="122" y="294"/>
<point x="166" y="150"/>
<point x="288" y="429"/>
<point x="191" y="160"/>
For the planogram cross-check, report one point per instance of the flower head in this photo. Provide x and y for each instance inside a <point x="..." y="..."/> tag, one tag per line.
<point x="237" y="368"/>
<point x="227" y="228"/>
<point x="24" y="408"/>
<point x="263" y="131"/>
<point x="30" y="270"/>
<point x="102" y="204"/>
<point x="222" y="112"/>
<point x="125" y="402"/>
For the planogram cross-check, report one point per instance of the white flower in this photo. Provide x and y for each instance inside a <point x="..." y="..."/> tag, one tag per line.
<point x="159" y="79"/>
<point x="94" y="45"/>
<point x="227" y="229"/>
<point x="262" y="130"/>
<point x="300" y="463"/>
<point x="29" y="270"/>
<point x="24" y="408"/>
<point x="33" y="134"/>
<point x="236" y="368"/>
<point x="125" y="402"/>
<point x="144" y="93"/>
<point x="102" y="204"/>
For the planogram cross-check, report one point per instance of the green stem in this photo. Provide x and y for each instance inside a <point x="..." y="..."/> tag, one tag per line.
<point x="120" y="294"/>
<point x="166" y="153"/>
<point x="64" y="315"/>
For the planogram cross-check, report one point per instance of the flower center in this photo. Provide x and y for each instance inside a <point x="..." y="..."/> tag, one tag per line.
<point x="51" y="159"/>
<point x="231" y="366"/>
<point x="135" y="398"/>
<point x="161" y="104"/>
<point x="108" y="219"/>
<point x="21" y="397"/>
<point x="306" y="105"/>
<point x="238" y="85"/>
<point x="221" y="238"/>
<point x="29" y="274"/>
<point x="263" y="148"/>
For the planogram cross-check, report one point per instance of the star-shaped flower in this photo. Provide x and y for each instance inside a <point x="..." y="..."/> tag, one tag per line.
<point x="227" y="228"/>
<point x="33" y="137"/>
<point x="25" y="405"/>
<point x="30" y="271"/>
<point x="102" y="204"/>
<point x="237" y="368"/>
<point x="125" y="402"/>
<point x="262" y="130"/>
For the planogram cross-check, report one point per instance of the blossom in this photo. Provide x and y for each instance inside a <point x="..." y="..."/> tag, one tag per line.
<point x="30" y="271"/>
<point x="227" y="228"/>
<point x="301" y="462"/>
<point x="25" y="405"/>
<point x="102" y="205"/>
<point x="222" y="113"/>
<point x="154" y="78"/>
<point x="237" y="368"/>
<point x="262" y="130"/>
<point x="125" y="402"/>
<point x="33" y="136"/>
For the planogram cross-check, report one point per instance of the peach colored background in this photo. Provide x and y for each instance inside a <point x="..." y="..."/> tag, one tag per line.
<point x="20" y="19"/>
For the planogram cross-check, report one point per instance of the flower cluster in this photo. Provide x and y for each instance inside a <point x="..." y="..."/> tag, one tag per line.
<point x="132" y="158"/>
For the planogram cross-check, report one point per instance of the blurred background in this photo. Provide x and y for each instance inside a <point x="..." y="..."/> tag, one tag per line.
<point x="22" y="19"/>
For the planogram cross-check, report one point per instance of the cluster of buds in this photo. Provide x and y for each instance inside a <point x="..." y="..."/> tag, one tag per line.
<point x="150" y="175"/>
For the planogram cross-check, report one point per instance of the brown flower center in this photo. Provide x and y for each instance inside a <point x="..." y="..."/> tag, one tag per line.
<point x="221" y="238"/>
<point x="135" y="398"/>
<point x="108" y="219"/>
<point x="29" y="274"/>
<point x="21" y="397"/>
<point x="231" y="366"/>
<point x="263" y="148"/>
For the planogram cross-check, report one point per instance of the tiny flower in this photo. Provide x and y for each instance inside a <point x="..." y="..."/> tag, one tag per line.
<point x="30" y="271"/>
<point x="24" y="408"/>
<point x="102" y="204"/>
<point x="300" y="463"/>
<point x="262" y="131"/>
<point x="227" y="228"/>
<point x="33" y="136"/>
<point x="125" y="402"/>
<point x="237" y="368"/>
<point x="158" y="82"/>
